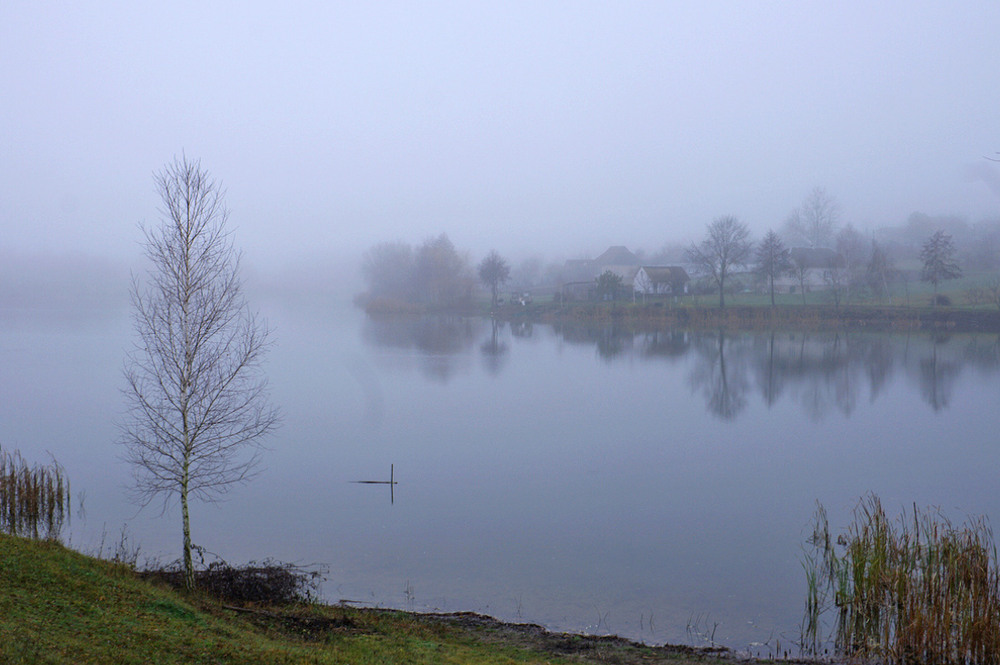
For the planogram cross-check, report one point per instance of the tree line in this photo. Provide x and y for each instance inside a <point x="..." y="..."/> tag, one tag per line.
<point x="435" y="273"/>
<point x="811" y="250"/>
<point x="848" y="264"/>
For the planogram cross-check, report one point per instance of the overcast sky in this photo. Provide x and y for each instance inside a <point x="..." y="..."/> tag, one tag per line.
<point x="549" y="127"/>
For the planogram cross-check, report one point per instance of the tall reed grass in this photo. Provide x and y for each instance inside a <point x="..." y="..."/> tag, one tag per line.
<point x="34" y="500"/>
<point x="912" y="590"/>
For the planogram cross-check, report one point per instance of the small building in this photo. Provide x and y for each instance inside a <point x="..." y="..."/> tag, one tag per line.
<point x="812" y="266"/>
<point x="661" y="280"/>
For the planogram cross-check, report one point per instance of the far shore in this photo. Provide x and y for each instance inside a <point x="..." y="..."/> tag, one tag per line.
<point x="659" y="315"/>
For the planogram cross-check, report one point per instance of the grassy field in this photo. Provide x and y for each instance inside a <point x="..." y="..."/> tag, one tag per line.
<point x="59" y="606"/>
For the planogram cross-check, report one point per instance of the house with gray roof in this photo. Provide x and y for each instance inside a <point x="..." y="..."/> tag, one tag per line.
<point x="661" y="280"/>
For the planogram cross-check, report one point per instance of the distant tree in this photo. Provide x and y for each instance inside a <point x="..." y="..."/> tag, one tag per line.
<point x="494" y="272"/>
<point x="845" y="275"/>
<point x="441" y="275"/>
<point x="879" y="272"/>
<point x="726" y="247"/>
<point x="993" y="289"/>
<point x="608" y="285"/>
<point x="800" y="270"/>
<point x="197" y="400"/>
<point x="773" y="260"/>
<point x="813" y="222"/>
<point x="388" y="270"/>
<point x="938" y="257"/>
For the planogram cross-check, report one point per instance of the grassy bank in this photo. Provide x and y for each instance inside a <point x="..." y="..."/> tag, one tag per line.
<point x="59" y="606"/>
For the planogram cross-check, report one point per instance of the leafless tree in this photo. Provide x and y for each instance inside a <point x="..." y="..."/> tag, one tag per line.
<point x="494" y="271"/>
<point x="197" y="399"/>
<point x="813" y="223"/>
<point x="773" y="260"/>
<point x="879" y="272"/>
<point x="851" y="247"/>
<point x="726" y="246"/>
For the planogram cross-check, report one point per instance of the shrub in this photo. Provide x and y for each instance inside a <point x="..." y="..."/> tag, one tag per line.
<point x="268" y="583"/>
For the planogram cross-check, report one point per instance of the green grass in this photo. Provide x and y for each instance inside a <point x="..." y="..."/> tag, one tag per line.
<point x="60" y="606"/>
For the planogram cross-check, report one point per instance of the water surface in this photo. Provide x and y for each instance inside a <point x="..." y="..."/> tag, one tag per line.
<point x="654" y="485"/>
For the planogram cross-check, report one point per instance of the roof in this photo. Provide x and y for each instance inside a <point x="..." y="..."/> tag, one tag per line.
<point x="618" y="255"/>
<point x="816" y="257"/>
<point x="660" y="274"/>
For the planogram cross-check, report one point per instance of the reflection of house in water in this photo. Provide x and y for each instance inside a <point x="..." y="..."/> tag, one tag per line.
<point x="665" y="344"/>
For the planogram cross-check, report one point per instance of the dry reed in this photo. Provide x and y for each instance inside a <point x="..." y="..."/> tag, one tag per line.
<point x="913" y="590"/>
<point x="34" y="501"/>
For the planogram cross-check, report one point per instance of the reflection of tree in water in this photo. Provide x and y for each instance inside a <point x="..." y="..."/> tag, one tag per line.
<point x="770" y="381"/>
<point x="440" y="339"/>
<point x="494" y="350"/>
<point x="879" y="365"/>
<point x="665" y="344"/>
<point x="611" y="341"/>
<point x="983" y="352"/>
<point x="823" y="372"/>
<point x="937" y="376"/>
<point x="724" y="386"/>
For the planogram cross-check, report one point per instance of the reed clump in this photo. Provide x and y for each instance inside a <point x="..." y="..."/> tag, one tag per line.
<point x="912" y="590"/>
<point x="34" y="500"/>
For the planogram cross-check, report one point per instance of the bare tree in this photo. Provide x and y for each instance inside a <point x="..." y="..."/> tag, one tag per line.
<point x="843" y="274"/>
<point x="813" y="222"/>
<point x="494" y="271"/>
<point x="726" y="246"/>
<point x="198" y="403"/>
<point x="879" y="272"/>
<point x="938" y="256"/>
<point x="773" y="260"/>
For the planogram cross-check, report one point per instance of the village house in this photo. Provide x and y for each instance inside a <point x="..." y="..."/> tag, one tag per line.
<point x="661" y="280"/>
<point x="811" y="272"/>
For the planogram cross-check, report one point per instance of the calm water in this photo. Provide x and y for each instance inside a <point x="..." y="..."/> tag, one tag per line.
<point x="658" y="486"/>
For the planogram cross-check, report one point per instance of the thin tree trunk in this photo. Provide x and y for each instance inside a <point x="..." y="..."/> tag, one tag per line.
<point x="185" y="516"/>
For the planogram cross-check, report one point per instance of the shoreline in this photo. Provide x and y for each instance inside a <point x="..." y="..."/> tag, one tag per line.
<point x="660" y="315"/>
<point x="583" y="646"/>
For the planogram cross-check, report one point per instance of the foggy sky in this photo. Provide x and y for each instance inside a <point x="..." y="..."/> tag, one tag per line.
<point x="555" y="128"/>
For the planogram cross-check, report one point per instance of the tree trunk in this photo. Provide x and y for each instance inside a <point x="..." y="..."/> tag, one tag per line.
<point x="722" y="292"/>
<point x="185" y="516"/>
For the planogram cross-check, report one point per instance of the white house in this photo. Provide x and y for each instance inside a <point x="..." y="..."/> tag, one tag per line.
<point x="812" y="266"/>
<point x="657" y="280"/>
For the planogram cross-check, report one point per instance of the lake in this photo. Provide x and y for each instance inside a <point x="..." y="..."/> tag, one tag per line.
<point x="659" y="486"/>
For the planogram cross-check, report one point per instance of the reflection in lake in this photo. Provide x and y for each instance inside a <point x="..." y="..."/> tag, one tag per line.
<point x="822" y="372"/>
<point x="441" y="340"/>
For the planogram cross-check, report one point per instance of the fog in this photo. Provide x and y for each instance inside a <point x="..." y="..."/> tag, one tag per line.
<point x="556" y="130"/>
